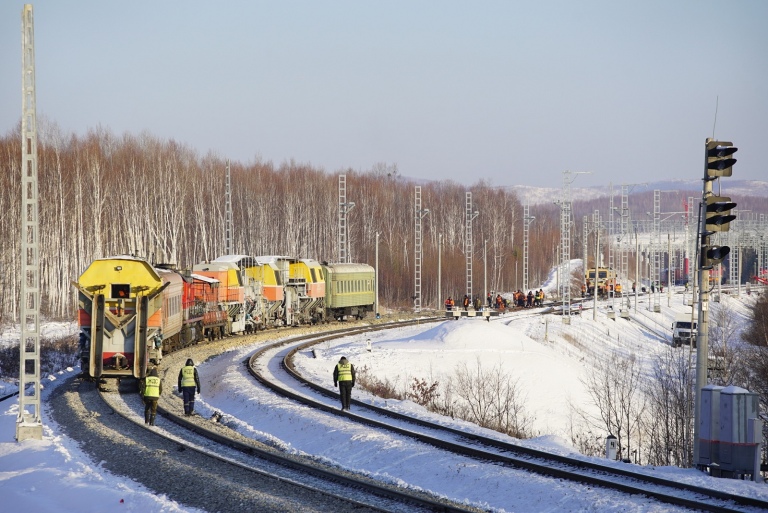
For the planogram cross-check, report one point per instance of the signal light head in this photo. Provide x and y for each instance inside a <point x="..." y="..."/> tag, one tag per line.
<point x="714" y="255"/>
<point x="719" y="160"/>
<point x="719" y="214"/>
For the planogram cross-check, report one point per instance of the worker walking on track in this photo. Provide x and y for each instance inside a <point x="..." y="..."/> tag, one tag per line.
<point x="189" y="381"/>
<point x="151" y="388"/>
<point x="344" y="375"/>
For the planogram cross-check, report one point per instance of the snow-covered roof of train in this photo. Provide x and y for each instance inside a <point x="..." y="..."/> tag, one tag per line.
<point x="271" y="259"/>
<point x="215" y="266"/>
<point x="230" y="258"/>
<point x="345" y="266"/>
<point x="204" y="278"/>
<point x="260" y="260"/>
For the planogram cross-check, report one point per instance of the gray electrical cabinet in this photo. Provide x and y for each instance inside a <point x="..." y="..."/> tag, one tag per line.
<point x="737" y="451"/>
<point x="709" y="426"/>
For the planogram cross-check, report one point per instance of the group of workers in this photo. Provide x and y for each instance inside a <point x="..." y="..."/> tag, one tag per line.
<point x="519" y="299"/>
<point x="152" y="386"/>
<point x="530" y="300"/>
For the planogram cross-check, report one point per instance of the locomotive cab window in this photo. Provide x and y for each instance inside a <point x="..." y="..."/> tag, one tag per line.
<point x="121" y="291"/>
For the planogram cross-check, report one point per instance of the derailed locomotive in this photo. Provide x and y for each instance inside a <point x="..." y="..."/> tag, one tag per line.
<point x="131" y="312"/>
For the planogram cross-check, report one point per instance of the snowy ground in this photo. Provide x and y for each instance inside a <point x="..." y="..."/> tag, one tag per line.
<point x="549" y="358"/>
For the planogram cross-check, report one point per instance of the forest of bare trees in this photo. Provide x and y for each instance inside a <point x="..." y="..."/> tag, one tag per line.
<point x="102" y="194"/>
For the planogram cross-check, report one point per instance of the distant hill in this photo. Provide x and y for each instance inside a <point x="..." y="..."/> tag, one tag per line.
<point x="734" y="188"/>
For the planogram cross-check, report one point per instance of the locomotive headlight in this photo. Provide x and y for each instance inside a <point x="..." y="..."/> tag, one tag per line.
<point x="118" y="268"/>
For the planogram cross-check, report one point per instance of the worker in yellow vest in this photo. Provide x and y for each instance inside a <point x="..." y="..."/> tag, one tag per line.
<point x="188" y="382"/>
<point x="151" y="388"/>
<point x="344" y="375"/>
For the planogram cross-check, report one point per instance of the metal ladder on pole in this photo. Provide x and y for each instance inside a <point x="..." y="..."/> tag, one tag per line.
<point x="526" y="233"/>
<point x="417" y="248"/>
<point x="623" y="250"/>
<point x="468" y="242"/>
<point x="230" y="223"/>
<point x="342" y="218"/>
<point x="29" y="424"/>
<point x="565" y="247"/>
<point x="656" y="249"/>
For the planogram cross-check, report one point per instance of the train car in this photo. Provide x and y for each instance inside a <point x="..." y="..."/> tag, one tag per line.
<point x="231" y="296"/>
<point x="349" y="290"/>
<point x="210" y="316"/>
<point x="269" y="294"/>
<point x="263" y="288"/>
<point x="128" y="310"/>
<point x="307" y="282"/>
<point x="303" y="288"/>
<point x="601" y="278"/>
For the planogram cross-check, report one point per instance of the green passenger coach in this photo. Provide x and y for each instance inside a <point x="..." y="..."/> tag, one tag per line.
<point x="349" y="290"/>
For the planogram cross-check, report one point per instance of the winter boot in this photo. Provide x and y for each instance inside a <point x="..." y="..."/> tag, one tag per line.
<point x="151" y="420"/>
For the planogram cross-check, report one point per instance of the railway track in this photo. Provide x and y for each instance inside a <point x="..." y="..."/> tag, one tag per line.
<point x="274" y="366"/>
<point x="211" y="464"/>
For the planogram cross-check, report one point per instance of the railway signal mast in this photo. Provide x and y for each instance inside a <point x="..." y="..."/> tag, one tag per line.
<point x="714" y="217"/>
<point x="29" y="423"/>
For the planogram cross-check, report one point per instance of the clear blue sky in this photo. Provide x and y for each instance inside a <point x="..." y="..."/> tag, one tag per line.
<point x="510" y="92"/>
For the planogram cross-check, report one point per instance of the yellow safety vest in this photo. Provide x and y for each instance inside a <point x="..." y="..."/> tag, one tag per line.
<point x="152" y="386"/>
<point x="188" y="376"/>
<point x="345" y="371"/>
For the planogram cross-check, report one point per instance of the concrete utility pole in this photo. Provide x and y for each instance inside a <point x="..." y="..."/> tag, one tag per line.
<point x="714" y="216"/>
<point x="29" y="424"/>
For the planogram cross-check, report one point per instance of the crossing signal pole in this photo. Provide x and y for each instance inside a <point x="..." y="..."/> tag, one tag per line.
<point x="714" y="217"/>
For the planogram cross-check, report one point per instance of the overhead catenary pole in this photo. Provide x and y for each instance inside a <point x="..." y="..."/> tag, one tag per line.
<point x="345" y="250"/>
<point x="669" y="270"/>
<point x="439" y="271"/>
<point x="230" y="250"/>
<point x="418" y="247"/>
<point x="376" y="272"/>
<point x="565" y="243"/>
<point x="597" y="264"/>
<point x="527" y="220"/>
<point x="470" y="214"/>
<point x="485" y="269"/>
<point x="29" y="424"/>
<point x="637" y="268"/>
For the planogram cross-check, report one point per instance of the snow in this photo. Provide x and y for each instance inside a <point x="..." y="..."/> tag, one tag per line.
<point x="547" y="358"/>
<point x="54" y="475"/>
